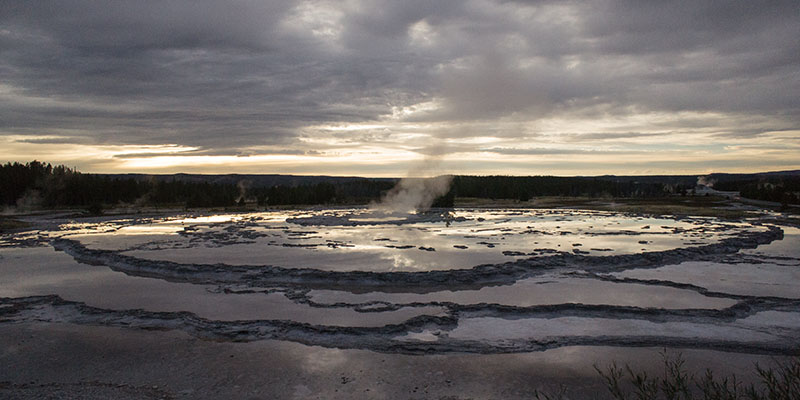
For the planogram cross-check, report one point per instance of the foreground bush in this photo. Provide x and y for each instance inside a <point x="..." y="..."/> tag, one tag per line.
<point x="781" y="382"/>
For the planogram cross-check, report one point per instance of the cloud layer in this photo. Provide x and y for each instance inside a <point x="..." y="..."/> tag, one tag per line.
<point x="544" y="85"/>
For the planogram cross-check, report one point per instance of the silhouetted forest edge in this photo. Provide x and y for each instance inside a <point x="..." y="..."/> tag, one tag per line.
<point x="36" y="185"/>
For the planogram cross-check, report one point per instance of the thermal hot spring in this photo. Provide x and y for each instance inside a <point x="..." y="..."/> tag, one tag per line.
<point x="461" y="280"/>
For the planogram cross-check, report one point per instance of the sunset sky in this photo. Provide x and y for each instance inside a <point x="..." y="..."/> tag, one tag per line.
<point x="396" y="88"/>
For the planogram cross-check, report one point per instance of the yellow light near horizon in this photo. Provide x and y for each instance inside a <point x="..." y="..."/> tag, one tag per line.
<point x="27" y="148"/>
<point x="474" y="140"/>
<point x="350" y="127"/>
<point x="361" y="156"/>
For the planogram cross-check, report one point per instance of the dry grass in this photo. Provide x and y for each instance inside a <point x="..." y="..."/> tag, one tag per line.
<point x="779" y="383"/>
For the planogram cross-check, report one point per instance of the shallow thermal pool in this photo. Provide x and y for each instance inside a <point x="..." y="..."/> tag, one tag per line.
<point x="464" y="280"/>
<point x="357" y="240"/>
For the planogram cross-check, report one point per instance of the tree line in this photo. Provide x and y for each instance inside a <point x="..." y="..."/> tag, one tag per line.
<point x="779" y="189"/>
<point x="36" y="184"/>
<point x="526" y="187"/>
<point x="356" y="191"/>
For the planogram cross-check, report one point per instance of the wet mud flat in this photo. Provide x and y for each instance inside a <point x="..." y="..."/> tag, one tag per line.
<point x="95" y="362"/>
<point x="425" y="289"/>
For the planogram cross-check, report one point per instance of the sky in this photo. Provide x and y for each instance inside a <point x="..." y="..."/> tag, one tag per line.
<point x="397" y="88"/>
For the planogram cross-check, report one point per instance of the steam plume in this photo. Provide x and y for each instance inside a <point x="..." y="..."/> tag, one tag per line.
<point x="706" y="181"/>
<point x="243" y="186"/>
<point x="418" y="190"/>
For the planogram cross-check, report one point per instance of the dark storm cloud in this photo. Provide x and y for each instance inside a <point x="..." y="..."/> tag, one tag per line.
<point x="228" y="75"/>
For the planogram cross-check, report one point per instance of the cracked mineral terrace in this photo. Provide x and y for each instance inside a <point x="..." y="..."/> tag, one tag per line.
<point x="461" y="281"/>
<point x="548" y="294"/>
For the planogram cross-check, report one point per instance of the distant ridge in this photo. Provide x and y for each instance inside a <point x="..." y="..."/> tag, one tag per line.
<point x="255" y="180"/>
<point x="36" y="183"/>
<point x="269" y="180"/>
<point x="691" y="179"/>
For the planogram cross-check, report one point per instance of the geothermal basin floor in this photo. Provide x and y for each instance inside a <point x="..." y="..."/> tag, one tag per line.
<point x="466" y="303"/>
